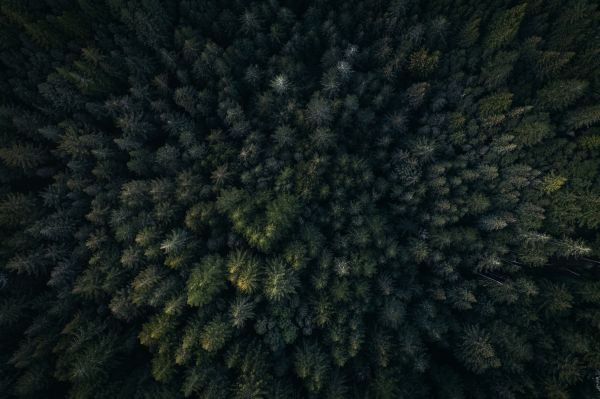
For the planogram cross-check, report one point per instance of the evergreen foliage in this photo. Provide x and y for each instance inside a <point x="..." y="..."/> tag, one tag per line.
<point x="314" y="199"/>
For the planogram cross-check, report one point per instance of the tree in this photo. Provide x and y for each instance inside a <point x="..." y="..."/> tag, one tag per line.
<point x="241" y="310"/>
<point x="244" y="271"/>
<point x="25" y="156"/>
<point x="280" y="280"/>
<point x="476" y="350"/>
<point x="206" y="279"/>
<point x="560" y="94"/>
<point x="584" y="117"/>
<point x="214" y="335"/>
<point x="311" y="366"/>
<point x="504" y="27"/>
<point x="422" y="64"/>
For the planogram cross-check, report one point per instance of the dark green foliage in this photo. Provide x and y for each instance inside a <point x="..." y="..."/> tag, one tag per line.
<point x="22" y="156"/>
<point x="495" y="104"/>
<point x="561" y="93"/>
<point x="311" y="366"/>
<point x="477" y="351"/>
<point x="533" y="130"/>
<point x="504" y="27"/>
<point x="281" y="199"/>
<point x="206" y="279"/>
<point x="584" y="117"/>
<point x="421" y="63"/>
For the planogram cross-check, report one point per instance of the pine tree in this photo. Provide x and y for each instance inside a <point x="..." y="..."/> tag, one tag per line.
<point x="495" y="104"/>
<point x="311" y="366"/>
<point x="241" y="310"/>
<point x="422" y="64"/>
<point x="560" y="94"/>
<point x="214" y="335"/>
<point x="25" y="156"/>
<point x="244" y="271"/>
<point x="584" y="117"/>
<point x="206" y="279"/>
<point x="504" y="27"/>
<point x="280" y="280"/>
<point x="476" y="350"/>
<point x="552" y="183"/>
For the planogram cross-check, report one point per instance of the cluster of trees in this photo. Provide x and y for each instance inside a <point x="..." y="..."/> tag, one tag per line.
<point x="289" y="199"/>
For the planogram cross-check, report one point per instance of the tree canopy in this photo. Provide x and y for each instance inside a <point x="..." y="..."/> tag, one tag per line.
<point x="300" y="199"/>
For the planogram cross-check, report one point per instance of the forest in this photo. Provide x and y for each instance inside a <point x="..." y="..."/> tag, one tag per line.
<point x="289" y="199"/>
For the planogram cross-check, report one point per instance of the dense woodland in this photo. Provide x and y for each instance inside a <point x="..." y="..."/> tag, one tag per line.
<point x="300" y="199"/>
